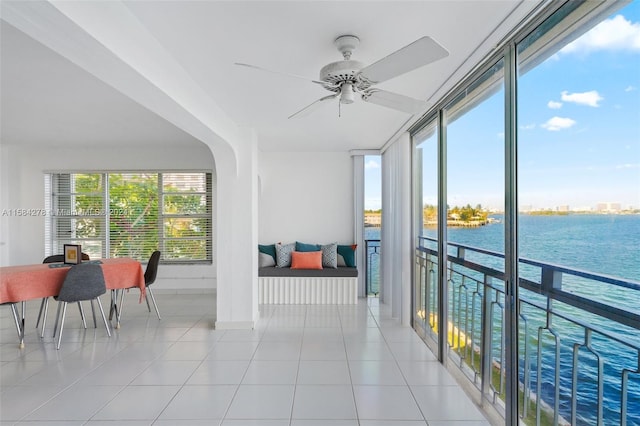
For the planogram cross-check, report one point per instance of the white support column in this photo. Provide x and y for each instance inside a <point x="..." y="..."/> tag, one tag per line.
<point x="405" y="240"/>
<point x="237" y="239"/>
<point x="358" y="220"/>
<point x="5" y="228"/>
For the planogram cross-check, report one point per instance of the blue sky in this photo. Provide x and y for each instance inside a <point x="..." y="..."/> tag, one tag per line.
<point x="579" y="129"/>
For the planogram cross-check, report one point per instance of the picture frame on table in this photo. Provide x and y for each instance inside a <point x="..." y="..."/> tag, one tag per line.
<point x="72" y="254"/>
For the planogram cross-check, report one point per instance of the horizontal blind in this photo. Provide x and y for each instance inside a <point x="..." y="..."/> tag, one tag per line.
<point x="77" y="212"/>
<point x="131" y="214"/>
<point x="186" y="209"/>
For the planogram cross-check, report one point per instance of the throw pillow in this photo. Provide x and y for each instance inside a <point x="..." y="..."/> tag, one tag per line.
<point x="306" y="260"/>
<point x="268" y="249"/>
<point x="330" y="255"/>
<point x="265" y="260"/>
<point x="283" y="254"/>
<point x="307" y="247"/>
<point x="349" y="254"/>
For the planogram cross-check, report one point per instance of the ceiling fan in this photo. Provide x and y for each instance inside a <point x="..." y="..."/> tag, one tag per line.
<point x="348" y="77"/>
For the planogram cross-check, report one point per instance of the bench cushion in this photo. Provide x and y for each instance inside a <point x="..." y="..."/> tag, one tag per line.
<point x="342" y="271"/>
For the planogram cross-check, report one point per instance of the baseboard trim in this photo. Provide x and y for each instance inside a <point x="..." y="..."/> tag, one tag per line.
<point x="183" y="290"/>
<point x="234" y="325"/>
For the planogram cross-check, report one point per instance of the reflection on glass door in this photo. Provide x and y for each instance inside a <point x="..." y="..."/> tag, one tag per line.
<point x="425" y="297"/>
<point x="475" y="232"/>
<point x="579" y="174"/>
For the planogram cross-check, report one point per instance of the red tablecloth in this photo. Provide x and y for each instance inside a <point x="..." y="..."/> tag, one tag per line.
<point x="19" y="283"/>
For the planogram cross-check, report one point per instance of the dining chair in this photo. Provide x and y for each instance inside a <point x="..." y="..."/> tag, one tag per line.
<point x="150" y="274"/>
<point x="83" y="282"/>
<point x="44" y="305"/>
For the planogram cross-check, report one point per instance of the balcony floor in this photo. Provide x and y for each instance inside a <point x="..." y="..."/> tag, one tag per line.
<point x="303" y="365"/>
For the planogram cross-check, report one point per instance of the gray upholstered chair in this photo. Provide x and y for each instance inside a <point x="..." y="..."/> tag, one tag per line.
<point x="149" y="278"/>
<point x="44" y="305"/>
<point x="83" y="282"/>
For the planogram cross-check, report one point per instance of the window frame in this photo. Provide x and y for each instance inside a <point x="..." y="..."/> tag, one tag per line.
<point x="53" y="209"/>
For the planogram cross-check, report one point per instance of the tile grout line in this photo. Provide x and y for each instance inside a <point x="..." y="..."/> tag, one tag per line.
<point x="235" y="392"/>
<point x="346" y="356"/>
<point x="187" y="379"/>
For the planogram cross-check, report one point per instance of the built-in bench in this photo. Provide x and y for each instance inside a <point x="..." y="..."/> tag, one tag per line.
<point x="308" y="286"/>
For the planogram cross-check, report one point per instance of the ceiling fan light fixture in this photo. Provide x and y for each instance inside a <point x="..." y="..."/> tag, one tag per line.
<point x="347" y="95"/>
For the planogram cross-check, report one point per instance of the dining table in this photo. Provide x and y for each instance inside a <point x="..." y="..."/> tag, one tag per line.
<point x="21" y="283"/>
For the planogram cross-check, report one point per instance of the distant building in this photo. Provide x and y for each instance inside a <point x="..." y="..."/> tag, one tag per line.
<point x="564" y="208"/>
<point x="608" y="207"/>
<point x="373" y="219"/>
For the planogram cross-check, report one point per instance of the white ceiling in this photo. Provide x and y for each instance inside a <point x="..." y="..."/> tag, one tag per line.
<point x="47" y="99"/>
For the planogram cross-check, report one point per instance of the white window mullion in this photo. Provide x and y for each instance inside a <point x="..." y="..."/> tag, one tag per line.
<point x="161" y="240"/>
<point x="106" y="237"/>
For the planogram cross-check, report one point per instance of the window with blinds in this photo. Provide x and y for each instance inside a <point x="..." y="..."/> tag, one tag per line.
<point x="131" y="214"/>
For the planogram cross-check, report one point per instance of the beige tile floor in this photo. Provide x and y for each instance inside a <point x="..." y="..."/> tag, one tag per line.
<point x="302" y="366"/>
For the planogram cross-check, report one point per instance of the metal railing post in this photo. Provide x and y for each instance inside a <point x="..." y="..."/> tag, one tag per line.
<point x="486" y="340"/>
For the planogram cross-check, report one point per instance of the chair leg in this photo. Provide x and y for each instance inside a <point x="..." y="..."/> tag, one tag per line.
<point x="153" y="299"/>
<point x="113" y="308"/>
<point x="55" y="325"/>
<point x="93" y="312"/>
<point x="44" y="320"/>
<point x="64" y="311"/>
<point x="84" y="320"/>
<point x="24" y="308"/>
<point x="15" y="318"/>
<point x="106" y="324"/>
<point x="119" y="313"/>
<point x="146" y="299"/>
<point x="44" y="300"/>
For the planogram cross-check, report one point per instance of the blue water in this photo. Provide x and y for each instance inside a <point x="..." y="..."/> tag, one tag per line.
<point x="603" y="244"/>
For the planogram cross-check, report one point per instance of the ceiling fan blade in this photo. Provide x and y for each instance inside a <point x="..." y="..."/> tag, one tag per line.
<point x="394" y="101"/>
<point x="324" y="83"/>
<point x="417" y="54"/>
<point x="313" y="106"/>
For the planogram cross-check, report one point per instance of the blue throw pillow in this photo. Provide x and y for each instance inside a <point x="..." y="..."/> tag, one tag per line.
<point x="307" y="247"/>
<point x="268" y="249"/>
<point x="349" y="254"/>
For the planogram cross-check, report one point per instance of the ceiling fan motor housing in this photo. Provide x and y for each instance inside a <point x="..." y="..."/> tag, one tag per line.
<point x="340" y="72"/>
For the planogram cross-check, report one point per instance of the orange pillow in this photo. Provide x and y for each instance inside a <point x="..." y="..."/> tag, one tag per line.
<point x="306" y="260"/>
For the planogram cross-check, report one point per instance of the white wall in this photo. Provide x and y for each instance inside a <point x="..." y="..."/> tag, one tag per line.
<point x="22" y="185"/>
<point x="305" y="197"/>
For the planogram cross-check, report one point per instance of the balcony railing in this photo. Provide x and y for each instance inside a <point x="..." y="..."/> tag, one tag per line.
<point x="372" y="267"/>
<point x="579" y="331"/>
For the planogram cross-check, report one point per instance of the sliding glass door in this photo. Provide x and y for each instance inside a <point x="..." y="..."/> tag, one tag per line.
<point x="526" y="221"/>
<point x="425" y="297"/>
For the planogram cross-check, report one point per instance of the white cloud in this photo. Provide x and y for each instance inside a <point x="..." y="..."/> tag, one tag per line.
<point x="590" y="98"/>
<point x="500" y="135"/>
<point x="616" y="33"/>
<point x="628" y="166"/>
<point x="554" y="105"/>
<point x="558" y="123"/>
<point x="630" y="88"/>
<point x="528" y="126"/>
<point x="372" y="164"/>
